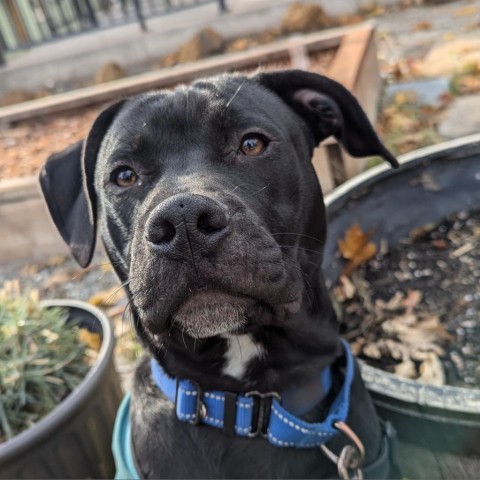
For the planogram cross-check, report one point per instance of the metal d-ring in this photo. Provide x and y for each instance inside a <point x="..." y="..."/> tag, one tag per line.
<point x="351" y="456"/>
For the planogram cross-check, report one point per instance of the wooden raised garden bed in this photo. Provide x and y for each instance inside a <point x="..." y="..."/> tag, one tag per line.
<point x="349" y="57"/>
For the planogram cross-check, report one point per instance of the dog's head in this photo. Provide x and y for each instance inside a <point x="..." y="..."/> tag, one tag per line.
<point x="207" y="203"/>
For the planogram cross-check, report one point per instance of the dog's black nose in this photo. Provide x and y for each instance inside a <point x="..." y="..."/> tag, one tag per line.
<point x="187" y="223"/>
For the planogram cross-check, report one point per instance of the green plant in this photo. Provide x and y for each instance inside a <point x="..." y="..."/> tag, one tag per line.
<point x="42" y="360"/>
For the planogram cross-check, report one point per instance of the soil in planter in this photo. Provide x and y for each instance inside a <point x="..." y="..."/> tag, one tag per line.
<point x="415" y="310"/>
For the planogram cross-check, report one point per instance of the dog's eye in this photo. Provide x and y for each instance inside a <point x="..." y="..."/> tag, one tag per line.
<point x="253" y="144"/>
<point x="124" y="177"/>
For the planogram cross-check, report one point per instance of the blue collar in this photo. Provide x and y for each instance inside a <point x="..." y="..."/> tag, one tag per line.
<point x="255" y="414"/>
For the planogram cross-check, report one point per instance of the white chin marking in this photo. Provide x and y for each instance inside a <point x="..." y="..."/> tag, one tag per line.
<point x="210" y="320"/>
<point x="240" y="350"/>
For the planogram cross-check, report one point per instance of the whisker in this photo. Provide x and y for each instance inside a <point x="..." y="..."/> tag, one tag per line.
<point x="236" y="93"/>
<point x="258" y="191"/>
<point x="318" y="252"/>
<point x="298" y="235"/>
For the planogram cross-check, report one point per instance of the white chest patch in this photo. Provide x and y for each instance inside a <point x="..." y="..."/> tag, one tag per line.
<point x="241" y="349"/>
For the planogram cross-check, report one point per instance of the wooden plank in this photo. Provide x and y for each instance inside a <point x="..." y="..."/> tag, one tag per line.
<point x="346" y="64"/>
<point x="179" y="74"/>
<point x="355" y="66"/>
<point x="168" y="77"/>
<point x="27" y="232"/>
<point x="322" y="167"/>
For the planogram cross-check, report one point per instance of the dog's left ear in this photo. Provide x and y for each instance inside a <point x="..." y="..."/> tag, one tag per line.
<point x="329" y="109"/>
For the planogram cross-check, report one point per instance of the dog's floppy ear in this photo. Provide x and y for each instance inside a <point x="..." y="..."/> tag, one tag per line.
<point x="66" y="180"/>
<point x="329" y="109"/>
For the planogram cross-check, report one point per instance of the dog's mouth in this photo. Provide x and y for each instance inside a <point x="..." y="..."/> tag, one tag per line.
<point x="211" y="312"/>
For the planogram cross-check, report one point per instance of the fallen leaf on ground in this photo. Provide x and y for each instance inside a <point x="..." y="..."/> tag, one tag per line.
<point x="107" y="298"/>
<point x="356" y="247"/>
<point x="449" y="36"/>
<point x="90" y="339"/>
<point x="63" y="276"/>
<point x="422" y="26"/>
<point x="466" y="11"/>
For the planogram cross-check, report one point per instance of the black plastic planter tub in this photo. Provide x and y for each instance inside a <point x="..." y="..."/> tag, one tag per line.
<point x="73" y="440"/>
<point x="438" y="427"/>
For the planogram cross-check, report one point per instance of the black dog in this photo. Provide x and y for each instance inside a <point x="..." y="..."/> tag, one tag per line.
<point x="212" y="216"/>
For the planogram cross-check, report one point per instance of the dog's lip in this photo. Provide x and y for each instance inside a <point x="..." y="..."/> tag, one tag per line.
<point x="202" y="297"/>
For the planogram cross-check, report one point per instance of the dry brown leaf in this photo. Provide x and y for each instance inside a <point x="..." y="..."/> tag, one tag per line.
<point x="420" y="341"/>
<point x="402" y="98"/>
<point x="399" y="325"/>
<point x="90" y="339"/>
<point x="412" y="299"/>
<point x="449" y="37"/>
<point x="397" y="350"/>
<point x="357" y="345"/>
<point x="393" y="305"/>
<point x="345" y="290"/>
<point x="419" y="232"/>
<point x="356" y="247"/>
<point x="466" y="11"/>
<point x="372" y="350"/>
<point x="431" y="371"/>
<point x="422" y="26"/>
<point x="59" y="277"/>
<point x="406" y="369"/>
<point x="107" y="298"/>
<point x="403" y="122"/>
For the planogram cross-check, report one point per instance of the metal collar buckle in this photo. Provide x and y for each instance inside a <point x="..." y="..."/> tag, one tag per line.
<point x="262" y="404"/>
<point x="351" y="457"/>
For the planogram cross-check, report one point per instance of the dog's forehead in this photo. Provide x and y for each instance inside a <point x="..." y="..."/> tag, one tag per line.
<point x="218" y="101"/>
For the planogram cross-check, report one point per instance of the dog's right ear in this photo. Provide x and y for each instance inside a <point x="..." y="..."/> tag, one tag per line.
<point x="66" y="180"/>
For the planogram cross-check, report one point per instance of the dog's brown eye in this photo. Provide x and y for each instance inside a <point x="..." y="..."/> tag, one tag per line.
<point x="124" y="177"/>
<point x="252" y="144"/>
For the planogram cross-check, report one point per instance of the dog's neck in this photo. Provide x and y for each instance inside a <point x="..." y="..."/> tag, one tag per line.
<point x="271" y="355"/>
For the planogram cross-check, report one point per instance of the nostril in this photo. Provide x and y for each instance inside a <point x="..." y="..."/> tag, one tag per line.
<point x="163" y="232"/>
<point x="204" y="224"/>
<point x="209" y="222"/>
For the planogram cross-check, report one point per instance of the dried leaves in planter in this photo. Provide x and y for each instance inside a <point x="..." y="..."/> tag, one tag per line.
<point x="42" y="359"/>
<point x="395" y="336"/>
<point x="415" y="310"/>
<point x="356" y="247"/>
